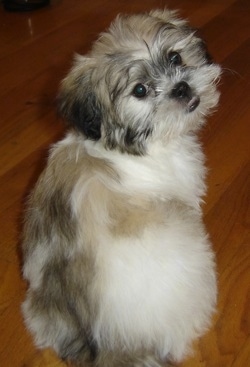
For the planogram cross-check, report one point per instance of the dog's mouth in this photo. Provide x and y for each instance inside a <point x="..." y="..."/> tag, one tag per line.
<point x="183" y="93"/>
<point x="193" y="104"/>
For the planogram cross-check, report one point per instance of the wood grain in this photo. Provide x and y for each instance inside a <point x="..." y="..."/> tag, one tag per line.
<point x="36" y="50"/>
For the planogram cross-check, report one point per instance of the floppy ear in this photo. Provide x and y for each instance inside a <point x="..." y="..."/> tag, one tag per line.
<point x="77" y="102"/>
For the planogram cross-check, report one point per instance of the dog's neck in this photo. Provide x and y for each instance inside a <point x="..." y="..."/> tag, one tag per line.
<point x="174" y="171"/>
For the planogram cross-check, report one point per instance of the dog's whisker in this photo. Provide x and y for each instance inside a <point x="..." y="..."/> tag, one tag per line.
<point x="232" y="72"/>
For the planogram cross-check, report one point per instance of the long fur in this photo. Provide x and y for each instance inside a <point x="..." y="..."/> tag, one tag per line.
<point x="119" y="265"/>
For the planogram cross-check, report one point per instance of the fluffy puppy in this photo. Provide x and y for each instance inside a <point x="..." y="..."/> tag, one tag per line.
<point x="119" y="265"/>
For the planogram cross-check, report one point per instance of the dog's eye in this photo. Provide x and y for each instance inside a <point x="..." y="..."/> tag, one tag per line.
<point x="175" y="58"/>
<point x="140" y="91"/>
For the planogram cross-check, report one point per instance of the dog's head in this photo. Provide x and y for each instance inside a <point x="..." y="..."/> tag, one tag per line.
<point x="149" y="77"/>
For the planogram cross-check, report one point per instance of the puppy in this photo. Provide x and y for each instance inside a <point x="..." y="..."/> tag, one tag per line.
<point x="119" y="265"/>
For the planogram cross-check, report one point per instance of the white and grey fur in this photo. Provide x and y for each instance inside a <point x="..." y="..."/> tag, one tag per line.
<point x="119" y="265"/>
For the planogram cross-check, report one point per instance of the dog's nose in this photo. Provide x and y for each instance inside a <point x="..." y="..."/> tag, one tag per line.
<point x="181" y="91"/>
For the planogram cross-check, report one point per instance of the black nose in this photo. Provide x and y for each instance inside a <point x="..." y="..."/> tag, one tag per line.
<point x="181" y="91"/>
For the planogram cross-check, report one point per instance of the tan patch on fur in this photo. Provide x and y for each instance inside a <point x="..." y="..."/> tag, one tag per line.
<point x="131" y="218"/>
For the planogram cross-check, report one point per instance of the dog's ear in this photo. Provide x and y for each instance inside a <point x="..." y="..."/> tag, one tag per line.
<point x="77" y="102"/>
<point x="168" y="16"/>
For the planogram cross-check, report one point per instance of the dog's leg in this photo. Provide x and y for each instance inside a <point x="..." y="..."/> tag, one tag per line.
<point x="105" y="359"/>
<point x="56" y="328"/>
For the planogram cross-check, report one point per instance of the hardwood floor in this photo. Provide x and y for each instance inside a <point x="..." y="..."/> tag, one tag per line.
<point x="36" y="50"/>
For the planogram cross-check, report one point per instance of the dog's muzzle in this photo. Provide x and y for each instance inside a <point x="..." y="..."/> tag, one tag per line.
<point x="183" y="93"/>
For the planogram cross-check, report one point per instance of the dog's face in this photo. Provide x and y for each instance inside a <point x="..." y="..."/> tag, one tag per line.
<point x="148" y="78"/>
